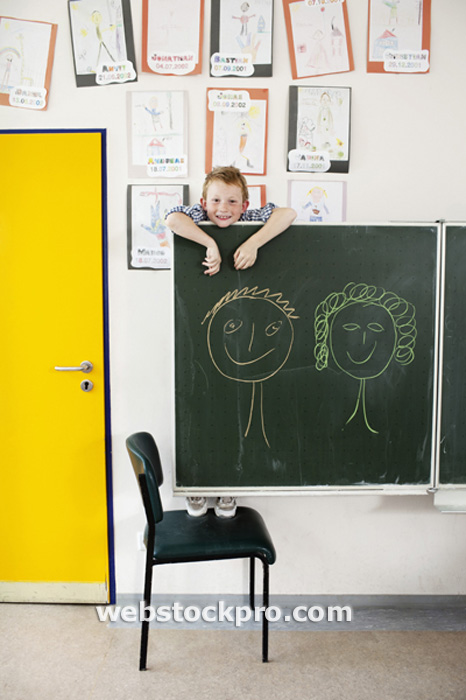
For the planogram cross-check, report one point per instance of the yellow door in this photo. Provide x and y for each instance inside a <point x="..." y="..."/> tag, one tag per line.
<point x="54" y="470"/>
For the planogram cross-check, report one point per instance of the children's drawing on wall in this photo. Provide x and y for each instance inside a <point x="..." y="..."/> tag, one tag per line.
<point x="363" y="329"/>
<point x="244" y="18"/>
<point x="172" y="36"/>
<point x="318" y="38"/>
<point x="149" y="239"/>
<point x="250" y="336"/>
<point x="157" y="137"/>
<point x="317" y="201"/>
<point x="242" y="29"/>
<point x="96" y="28"/>
<point x="399" y="26"/>
<point x="237" y="137"/>
<point x="26" y="56"/>
<point x="319" y="129"/>
<point x="102" y="41"/>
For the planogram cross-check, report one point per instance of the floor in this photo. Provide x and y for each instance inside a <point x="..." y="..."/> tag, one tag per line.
<point x="55" y="652"/>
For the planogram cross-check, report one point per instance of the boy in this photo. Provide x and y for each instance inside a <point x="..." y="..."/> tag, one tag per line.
<point x="224" y="201"/>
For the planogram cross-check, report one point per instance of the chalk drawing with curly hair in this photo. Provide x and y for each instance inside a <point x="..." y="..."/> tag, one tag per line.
<point x="364" y="328"/>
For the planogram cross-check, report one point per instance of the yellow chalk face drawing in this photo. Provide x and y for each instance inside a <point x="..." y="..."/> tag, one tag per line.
<point x="250" y="335"/>
<point x="250" y="339"/>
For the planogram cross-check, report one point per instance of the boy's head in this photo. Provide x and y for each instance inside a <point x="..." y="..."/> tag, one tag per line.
<point x="225" y="196"/>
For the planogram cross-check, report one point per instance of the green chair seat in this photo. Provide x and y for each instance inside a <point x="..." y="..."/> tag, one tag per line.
<point x="182" y="537"/>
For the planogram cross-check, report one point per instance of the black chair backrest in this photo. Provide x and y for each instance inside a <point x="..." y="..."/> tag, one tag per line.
<point x="144" y="456"/>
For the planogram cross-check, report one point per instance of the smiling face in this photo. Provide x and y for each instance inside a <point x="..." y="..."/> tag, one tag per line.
<point x="224" y="203"/>
<point x="363" y="340"/>
<point x="249" y="339"/>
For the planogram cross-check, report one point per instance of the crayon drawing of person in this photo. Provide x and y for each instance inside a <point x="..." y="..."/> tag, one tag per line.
<point x="97" y="21"/>
<point x="318" y="59"/>
<point x="325" y="123"/>
<point x="250" y="335"/>
<point x="364" y="328"/>
<point x="244" y="18"/>
<point x="316" y="204"/>
<point x="155" y="113"/>
<point x="9" y="58"/>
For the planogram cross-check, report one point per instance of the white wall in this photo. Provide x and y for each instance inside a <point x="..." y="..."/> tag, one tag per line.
<point x="407" y="163"/>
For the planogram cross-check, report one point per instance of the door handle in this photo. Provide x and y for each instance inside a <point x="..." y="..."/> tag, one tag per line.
<point x="85" y="367"/>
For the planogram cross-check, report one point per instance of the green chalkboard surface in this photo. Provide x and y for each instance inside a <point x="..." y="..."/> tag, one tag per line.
<point x="315" y="367"/>
<point x="452" y="453"/>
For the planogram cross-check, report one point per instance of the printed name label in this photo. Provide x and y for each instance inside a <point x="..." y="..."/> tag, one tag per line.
<point x="308" y="162"/>
<point x="406" y="61"/>
<point x="149" y="257"/>
<point x="177" y="64"/>
<point x="115" y="73"/>
<point x="239" y="65"/>
<point x="30" y="98"/>
<point x="229" y="100"/>
<point x="168" y="166"/>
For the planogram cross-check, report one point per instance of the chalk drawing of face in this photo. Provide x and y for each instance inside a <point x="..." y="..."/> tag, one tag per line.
<point x="250" y="339"/>
<point x="363" y="328"/>
<point x="362" y="340"/>
<point x="250" y="335"/>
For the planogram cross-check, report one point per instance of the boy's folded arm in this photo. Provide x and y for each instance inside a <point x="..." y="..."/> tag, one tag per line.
<point x="280" y="219"/>
<point x="185" y="227"/>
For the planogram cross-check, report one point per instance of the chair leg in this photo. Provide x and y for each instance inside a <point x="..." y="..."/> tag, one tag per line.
<point x="145" y="622"/>
<point x="265" y="622"/>
<point x="252" y="571"/>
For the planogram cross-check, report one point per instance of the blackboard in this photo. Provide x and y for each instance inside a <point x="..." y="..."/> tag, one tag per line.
<point x="452" y="441"/>
<point x="315" y="367"/>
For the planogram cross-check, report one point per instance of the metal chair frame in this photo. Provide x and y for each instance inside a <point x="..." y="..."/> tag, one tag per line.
<point x="152" y="561"/>
<point x="138" y="462"/>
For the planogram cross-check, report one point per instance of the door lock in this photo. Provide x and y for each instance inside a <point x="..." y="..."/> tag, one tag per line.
<point x="87" y="385"/>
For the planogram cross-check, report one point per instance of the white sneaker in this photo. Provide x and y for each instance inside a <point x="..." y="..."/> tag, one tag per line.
<point x="225" y="507"/>
<point x="196" y="505"/>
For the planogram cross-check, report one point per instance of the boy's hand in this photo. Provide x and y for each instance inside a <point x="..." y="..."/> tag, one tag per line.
<point x="246" y="255"/>
<point x="212" y="260"/>
<point x="280" y="219"/>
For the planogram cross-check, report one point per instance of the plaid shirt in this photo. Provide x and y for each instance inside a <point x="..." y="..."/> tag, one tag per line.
<point x="198" y="214"/>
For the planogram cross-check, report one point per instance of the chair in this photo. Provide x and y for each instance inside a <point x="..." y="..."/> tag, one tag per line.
<point x="174" y="536"/>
